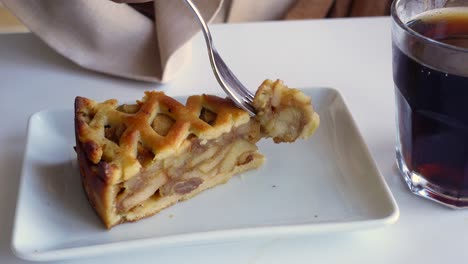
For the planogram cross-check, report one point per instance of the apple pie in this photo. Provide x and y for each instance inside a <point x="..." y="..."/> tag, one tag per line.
<point x="137" y="159"/>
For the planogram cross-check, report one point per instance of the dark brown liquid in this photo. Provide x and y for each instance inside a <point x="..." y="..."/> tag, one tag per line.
<point x="433" y="108"/>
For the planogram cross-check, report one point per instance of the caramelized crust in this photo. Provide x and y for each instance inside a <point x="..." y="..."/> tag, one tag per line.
<point x="136" y="160"/>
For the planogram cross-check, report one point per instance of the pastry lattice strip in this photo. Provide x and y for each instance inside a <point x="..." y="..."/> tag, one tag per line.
<point x="138" y="127"/>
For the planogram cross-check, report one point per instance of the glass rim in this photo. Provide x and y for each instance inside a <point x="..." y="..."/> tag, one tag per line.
<point x="407" y="29"/>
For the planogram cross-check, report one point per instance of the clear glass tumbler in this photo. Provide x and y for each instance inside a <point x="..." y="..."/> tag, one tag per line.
<point x="430" y="72"/>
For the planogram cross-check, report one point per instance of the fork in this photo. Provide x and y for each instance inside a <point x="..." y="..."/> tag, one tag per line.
<point x="241" y="96"/>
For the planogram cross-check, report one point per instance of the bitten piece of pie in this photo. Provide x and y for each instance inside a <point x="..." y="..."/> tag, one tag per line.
<point x="285" y="114"/>
<point x="138" y="159"/>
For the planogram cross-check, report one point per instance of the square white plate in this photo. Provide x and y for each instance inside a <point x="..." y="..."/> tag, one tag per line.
<point x="328" y="183"/>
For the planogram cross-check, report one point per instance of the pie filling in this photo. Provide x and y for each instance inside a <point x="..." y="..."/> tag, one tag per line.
<point x="183" y="173"/>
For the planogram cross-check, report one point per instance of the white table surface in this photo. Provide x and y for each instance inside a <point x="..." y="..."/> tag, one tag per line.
<point x="351" y="55"/>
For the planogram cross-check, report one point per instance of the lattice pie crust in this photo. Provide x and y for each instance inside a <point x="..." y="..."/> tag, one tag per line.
<point x="138" y="159"/>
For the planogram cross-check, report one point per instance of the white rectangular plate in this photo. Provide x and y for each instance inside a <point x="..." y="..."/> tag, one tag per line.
<point x="328" y="183"/>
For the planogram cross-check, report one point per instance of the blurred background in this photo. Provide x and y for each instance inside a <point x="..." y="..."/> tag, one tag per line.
<point x="8" y="22"/>
<point x="238" y="11"/>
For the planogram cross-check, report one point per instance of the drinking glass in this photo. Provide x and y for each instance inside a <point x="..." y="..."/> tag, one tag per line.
<point x="430" y="73"/>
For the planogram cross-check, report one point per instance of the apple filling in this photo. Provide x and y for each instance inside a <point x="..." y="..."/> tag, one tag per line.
<point x="196" y="162"/>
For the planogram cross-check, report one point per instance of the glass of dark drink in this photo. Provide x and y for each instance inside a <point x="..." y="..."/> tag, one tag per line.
<point x="430" y="72"/>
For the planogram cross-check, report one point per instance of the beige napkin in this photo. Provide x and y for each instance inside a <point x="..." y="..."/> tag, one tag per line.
<point x="114" y="38"/>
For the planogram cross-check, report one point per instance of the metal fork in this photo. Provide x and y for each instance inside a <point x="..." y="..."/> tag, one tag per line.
<point x="228" y="81"/>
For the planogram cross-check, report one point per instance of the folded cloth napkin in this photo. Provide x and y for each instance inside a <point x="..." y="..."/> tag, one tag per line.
<point x="115" y="38"/>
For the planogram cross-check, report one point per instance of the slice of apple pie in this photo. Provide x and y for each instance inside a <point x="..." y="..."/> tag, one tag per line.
<point x="138" y="159"/>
